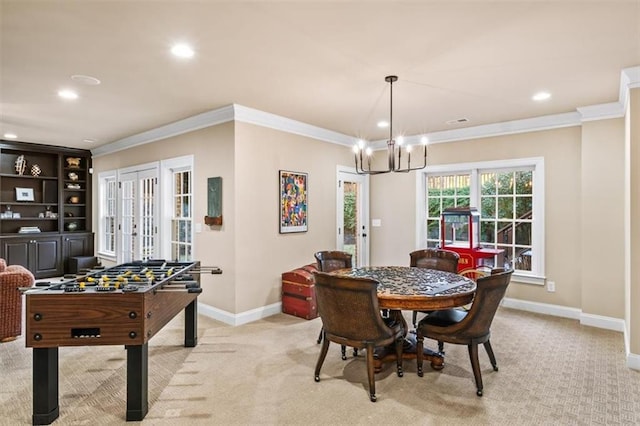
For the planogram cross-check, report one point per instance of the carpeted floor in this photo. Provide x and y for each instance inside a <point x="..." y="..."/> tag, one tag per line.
<point x="553" y="371"/>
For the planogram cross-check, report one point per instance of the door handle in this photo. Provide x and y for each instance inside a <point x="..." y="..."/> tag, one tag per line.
<point x="364" y="235"/>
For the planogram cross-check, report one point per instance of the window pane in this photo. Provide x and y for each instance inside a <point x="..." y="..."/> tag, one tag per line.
<point x="488" y="208"/>
<point x="524" y="182"/>
<point x="434" y="185"/>
<point x="434" y="207"/>
<point x="505" y="233"/>
<point x="433" y="229"/>
<point x="448" y="202"/>
<point x="487" y="231"/>
<point x="505" y="208"/>
<point x="524" y="207"/>
<point x="522" y="259"/>
<point x="505" y="183"/>
<point x="463" y="202"/>
<point x="488" y="184"/>
<point x="523" y="233"/>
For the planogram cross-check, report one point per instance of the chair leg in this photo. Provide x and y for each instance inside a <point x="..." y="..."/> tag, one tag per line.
<point x="414" y="319"/>
<point x="370" y="373"/>
<point x="321" y="357"/>
<point x="475" y="366"/>
<point x="320" y="336"/>
<point x="492" y="357"/>
<point x="419" y="351"/>
<point x="399" y="345"/>
<point x="441" y="347"/>
<point x="343" y="349"/>
<point x="355" y="352"/>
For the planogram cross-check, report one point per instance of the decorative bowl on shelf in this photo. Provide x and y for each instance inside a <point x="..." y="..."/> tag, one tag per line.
<point x="71" y="226"/>
<point x="74" y="200"/>
<point x="73" y="176"/>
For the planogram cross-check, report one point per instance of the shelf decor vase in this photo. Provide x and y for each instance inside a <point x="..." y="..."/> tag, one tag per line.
<point x="21" y="165"/>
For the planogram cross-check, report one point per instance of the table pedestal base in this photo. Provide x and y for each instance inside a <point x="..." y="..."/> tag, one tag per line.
<point x="388" y="354"/>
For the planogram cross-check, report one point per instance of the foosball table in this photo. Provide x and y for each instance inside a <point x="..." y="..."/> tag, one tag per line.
<point x="123" y="305"/>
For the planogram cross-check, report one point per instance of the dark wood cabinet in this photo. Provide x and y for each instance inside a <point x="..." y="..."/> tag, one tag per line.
<point x="40" y="254"/>
<point x="76" y="245"/>
<point x="45" y="206"/>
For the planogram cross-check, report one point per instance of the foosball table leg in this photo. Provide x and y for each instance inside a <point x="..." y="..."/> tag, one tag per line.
<point x="45" y="385"/>
<point x="137" y="381"/>
<point x="191" y="325"/>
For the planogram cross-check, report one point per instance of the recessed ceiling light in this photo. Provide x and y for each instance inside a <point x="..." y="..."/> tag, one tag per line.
<point x="89" y="140"/>
<point x="383" y="124"/>
<point x="85" y="79"/>
<point x="182" y="50"/>
<point x="10" y="135"/>
<point x="67" y="94"/>
<point x="541" y="96"/>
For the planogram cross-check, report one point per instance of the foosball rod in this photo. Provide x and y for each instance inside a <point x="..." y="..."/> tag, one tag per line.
<point x="205" y="270"/>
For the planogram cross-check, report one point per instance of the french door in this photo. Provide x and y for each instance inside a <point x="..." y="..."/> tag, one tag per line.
<point x="353" y="215"/>
<point x="138" y="215"/>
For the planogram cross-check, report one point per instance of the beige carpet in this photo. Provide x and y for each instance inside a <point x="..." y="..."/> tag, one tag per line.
<point x="552" y="372"/>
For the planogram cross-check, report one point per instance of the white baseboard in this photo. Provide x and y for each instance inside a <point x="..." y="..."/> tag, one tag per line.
<point x="542" y="308"/>
<point x="241" y="318"/>
<point x="633" y="361"/>
<point x="598" y="321"/>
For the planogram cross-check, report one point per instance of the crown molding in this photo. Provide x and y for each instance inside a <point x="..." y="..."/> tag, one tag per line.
<point x="272" y="121"/>
<point x="196" y="122"/>
<point x="629" y="79"/>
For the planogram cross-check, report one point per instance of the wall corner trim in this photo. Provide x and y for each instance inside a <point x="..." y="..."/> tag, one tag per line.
<point x="241" y="318"/>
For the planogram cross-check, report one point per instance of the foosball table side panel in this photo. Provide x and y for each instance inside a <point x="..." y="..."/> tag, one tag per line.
<point x="84" y="319"/>
<point x="162" y="306"/>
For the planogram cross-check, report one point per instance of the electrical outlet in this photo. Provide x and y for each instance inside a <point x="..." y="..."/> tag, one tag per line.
<point x="551" y="286"/>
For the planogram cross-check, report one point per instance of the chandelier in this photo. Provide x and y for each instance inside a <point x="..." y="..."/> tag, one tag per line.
<point x="394" y="149"/>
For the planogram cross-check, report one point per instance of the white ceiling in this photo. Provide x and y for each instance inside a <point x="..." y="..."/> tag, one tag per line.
<point x="321" y="63"/>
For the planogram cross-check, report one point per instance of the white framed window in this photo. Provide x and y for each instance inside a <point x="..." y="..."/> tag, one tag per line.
<point x="177" y="179"/>
<point x="108" y="202"/>
<point x="510" y="198"/>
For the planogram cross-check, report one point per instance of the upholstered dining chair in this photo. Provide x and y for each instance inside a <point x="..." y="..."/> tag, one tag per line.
<point x="351" y="316"/>
<point x="433" y="258"/>
<point x="331" y="260"/>
<point x="467" y="327"/>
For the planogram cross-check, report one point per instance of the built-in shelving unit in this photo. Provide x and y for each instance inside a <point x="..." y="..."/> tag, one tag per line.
<point x="45" y="206"/>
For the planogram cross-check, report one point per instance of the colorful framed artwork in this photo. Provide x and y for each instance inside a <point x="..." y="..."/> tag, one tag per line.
<point x="294" y="198"/>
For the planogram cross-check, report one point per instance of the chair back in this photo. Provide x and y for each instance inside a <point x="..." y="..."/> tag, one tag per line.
<point x="349" y="310"/>
<point x="331" y="260"/>
<point x="489" y="293"/>
<point x="431" y="258"/>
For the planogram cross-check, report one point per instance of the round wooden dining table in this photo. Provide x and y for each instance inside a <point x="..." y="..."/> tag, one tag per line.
<point x="415" y="289"/>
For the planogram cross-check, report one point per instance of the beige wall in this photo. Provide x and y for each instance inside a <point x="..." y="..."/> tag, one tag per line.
<point x="248" y="246"/>
<point x="602" y="210"/>
<point x="393" y="200"/>
<point x="252" y="253"/>
<point x="213" y="153"/>
<point x="262" y="253"/>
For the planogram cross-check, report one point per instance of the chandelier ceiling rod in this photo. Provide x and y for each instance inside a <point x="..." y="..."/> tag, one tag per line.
<point x="391" y="147"/>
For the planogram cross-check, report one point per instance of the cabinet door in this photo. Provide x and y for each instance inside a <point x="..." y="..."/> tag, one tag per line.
<point x="46" y="257"/>
<point x="76" y="245"/>
<point x="16" y="251"/>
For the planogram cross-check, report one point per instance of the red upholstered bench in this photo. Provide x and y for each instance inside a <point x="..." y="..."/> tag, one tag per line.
<point x="298" y="292"/>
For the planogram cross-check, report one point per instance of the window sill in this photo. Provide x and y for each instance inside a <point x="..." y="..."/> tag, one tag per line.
<point x="528" y="279"/>
<point x="107" y="256"/>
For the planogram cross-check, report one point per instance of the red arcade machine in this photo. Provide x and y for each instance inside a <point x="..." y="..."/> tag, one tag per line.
<point x="461" y="233"/>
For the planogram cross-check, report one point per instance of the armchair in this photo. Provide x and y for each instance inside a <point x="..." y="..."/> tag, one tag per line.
<point x="12" y="278"/>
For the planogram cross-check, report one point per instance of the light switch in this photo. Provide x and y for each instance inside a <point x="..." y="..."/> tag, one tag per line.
<point x="198" y="227"/>
<point x="376" y="223"/>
